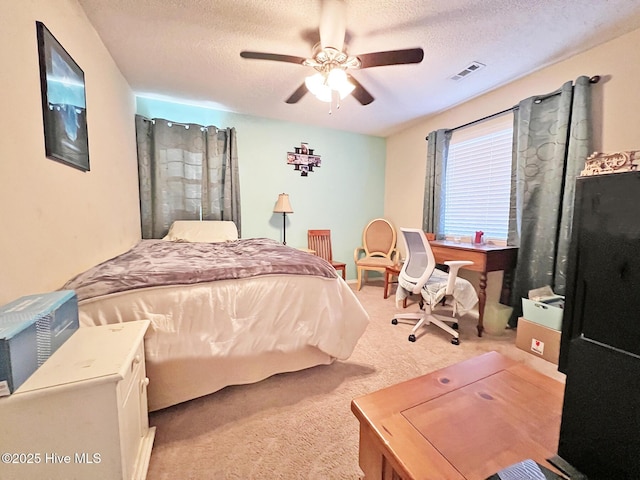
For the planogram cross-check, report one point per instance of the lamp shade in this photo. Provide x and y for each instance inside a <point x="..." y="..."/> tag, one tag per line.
<point x="339" y="81"/>
<point x="317" y="85"/>
<point x="283" y="205"/>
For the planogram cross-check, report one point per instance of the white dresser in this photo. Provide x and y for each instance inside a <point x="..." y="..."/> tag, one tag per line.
<point x="83" y="413"/>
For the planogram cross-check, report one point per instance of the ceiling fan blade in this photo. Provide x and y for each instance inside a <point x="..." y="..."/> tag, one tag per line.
<point x="272" y="56"/>
<point x="333" y="24"/>
<point x="360" y="93"/>
<point x="392" y="57"/>
<point x="298" y="94"/>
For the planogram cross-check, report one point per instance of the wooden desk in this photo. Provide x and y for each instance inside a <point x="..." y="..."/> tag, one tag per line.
<point x="466" y="421"/>
<point x="485" y="258"/>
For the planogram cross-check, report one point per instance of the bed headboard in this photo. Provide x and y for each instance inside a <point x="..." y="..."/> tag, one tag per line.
<point x="210" y="231"/>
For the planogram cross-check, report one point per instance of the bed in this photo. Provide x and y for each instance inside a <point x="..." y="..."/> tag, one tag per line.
<point x="224" y="312"/>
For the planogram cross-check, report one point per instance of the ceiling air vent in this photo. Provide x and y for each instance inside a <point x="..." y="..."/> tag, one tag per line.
<point x="468" y="71"/>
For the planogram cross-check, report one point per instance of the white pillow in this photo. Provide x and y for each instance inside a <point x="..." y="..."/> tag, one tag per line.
<point x="209" y="231"/>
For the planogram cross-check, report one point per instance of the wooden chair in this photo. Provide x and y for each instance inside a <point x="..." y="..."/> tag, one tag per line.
<point x="320" y="242"/>
<point x="378" y="250"/>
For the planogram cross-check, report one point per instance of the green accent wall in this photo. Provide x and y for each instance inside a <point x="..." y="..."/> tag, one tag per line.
<point x="343" y="195"/>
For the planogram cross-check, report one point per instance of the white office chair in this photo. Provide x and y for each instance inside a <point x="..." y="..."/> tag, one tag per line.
<point x="420" y="276"/>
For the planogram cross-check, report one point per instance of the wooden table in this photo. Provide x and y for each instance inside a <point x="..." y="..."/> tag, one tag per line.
<point x="466" y="421"/>
<point x="485" y="258"/>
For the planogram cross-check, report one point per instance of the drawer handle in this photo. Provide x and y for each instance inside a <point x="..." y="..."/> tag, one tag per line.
<point x="144" y="382"/>
<point x="137" y="359"/>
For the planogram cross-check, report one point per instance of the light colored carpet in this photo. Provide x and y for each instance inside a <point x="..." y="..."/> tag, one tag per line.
<point x="299" y="425"/>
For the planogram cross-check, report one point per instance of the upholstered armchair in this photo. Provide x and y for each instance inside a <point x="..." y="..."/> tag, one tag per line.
<point x="378" y="250"/>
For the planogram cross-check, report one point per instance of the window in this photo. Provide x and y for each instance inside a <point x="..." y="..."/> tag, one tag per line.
<point x="478" y="179"/>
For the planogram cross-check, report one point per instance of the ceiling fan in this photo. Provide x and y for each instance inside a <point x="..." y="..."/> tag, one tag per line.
<point x="331" y="61"/>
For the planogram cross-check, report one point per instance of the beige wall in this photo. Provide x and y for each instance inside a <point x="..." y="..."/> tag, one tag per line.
<point x="616" y="125"/>
<point x="56" y="220"/>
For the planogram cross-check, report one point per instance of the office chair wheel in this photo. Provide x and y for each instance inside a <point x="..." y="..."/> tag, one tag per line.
<point x="454" y="326"/>
<point x="412" y="338"/>
<point x="394" y="321"/>
<point x="455" y="341"/>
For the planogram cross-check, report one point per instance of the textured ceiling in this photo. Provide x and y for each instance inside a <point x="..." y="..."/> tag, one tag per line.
<point x="189" y="50"/>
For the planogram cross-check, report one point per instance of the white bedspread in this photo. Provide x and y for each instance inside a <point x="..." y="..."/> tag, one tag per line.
<point x="232" y="319"/>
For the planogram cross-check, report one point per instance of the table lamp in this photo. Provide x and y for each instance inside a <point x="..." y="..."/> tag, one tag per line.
<point x="283" y="206"/>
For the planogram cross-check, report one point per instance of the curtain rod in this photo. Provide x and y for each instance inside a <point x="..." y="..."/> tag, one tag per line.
<point x="515" y="107"/>
<point x="473" y="122"/>
<point x="594" y="79"/>
<point x="171" y="123"/>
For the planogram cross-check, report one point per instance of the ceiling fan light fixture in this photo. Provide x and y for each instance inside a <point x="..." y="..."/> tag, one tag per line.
<point x="317" y="85"/>
<point x="322" y="85"/>
<point x="336" y="78"/>
<point x="345" y="89"/>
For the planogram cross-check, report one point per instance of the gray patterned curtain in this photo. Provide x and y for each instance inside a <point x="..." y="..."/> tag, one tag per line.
<point x="433" y="210"/>
<point x="186" y="172"/>
<point x="552" y="139"/>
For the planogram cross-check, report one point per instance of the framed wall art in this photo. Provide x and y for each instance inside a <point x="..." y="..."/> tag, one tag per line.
<point x="303" y="159"/>
<point x="64" y="110"/>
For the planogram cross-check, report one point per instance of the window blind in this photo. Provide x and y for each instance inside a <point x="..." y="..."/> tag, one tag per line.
<point x="478" y="179"/>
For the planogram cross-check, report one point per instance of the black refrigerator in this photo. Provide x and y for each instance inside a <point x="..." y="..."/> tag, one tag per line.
<point x="600" y="346"/>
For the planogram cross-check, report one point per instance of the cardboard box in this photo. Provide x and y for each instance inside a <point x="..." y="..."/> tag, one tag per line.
<point x="541" y="341"/>
<point x="31" y="329"/>
<point x="548" y="314"/>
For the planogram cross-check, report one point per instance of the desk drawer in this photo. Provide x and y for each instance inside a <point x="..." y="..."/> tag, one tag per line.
<point x="444" y="254"/>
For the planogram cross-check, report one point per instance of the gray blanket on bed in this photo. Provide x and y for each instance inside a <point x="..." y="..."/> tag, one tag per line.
<point x="153" y="263"/>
